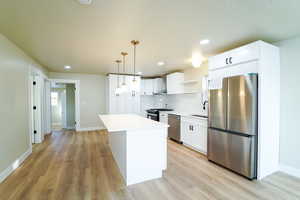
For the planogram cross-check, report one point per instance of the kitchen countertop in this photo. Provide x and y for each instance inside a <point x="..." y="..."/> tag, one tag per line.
<point x="183" y="114"/>
<point x="129" y="122"/>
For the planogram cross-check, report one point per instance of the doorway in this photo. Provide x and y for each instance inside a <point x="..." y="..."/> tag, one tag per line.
<point x="63" y="108"/>
<point x="38" y="115"/>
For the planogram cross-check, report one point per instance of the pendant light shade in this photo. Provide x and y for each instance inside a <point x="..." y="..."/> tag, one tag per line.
<point x="135" y="82"/>
<point x="118" y="89"/>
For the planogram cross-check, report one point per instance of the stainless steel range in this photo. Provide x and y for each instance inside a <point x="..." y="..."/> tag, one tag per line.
<point x="154" y="113"/>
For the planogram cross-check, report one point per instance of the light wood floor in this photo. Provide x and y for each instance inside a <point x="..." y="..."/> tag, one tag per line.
<point x="71" y="166"/>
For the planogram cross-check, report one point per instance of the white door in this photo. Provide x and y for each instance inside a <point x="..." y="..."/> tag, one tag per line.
<point x="163" y="117"/>
<point x="37" y="107"/>
<point x="63" y="108"/>
<point x="143" y="87"/>
<point x="114" y="99"/>
<point x="203" y="136"/>
<point x="47" y="108"/>
<point x="149" y="86"/>
<point x="32" y="111"/>
<point x="133" y="96"/>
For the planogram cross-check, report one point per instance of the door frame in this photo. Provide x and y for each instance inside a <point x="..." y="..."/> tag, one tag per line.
<point x="77" y="98"/>
<point x="36" y="97"/>
<point x="47" y="107"/>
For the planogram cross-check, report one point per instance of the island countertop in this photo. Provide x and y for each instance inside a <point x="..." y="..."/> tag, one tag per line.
<point x="129" y="122"/>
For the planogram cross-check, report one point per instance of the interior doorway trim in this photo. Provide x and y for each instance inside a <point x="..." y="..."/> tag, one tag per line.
<point x="35" y="99"/>
<point x="77" y="97"/>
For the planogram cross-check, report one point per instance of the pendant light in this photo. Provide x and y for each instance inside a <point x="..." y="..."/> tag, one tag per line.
<point x="135" y="83"/>
<point x="124" y="87"/>
<point x="118" y="89"/>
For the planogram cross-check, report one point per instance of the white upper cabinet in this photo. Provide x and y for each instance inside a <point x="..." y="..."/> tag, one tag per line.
<point x="153" y="86"/>
<point x="236" y="56"/>
<point x="218" y="61"/>
<point x="175" y="83"/>
<point x="147" y="87"/>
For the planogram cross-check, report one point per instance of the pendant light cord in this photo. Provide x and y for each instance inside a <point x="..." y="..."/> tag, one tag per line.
<point x="118" y="62"/>
<point x="134" y="57"/>
<point x="123" y="69"/>
<point x="124" y="54"/>
<point x="118" y="75"/>
<point x="134" y="43"/>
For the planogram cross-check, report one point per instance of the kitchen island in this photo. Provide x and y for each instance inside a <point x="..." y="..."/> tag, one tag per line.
<point x="139" y="146"/>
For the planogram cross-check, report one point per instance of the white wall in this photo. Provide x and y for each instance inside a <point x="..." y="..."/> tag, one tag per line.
<point x="147" y="102"/>
<point x="186" y="103"/>
<point x="92" y="97"/>
<point x="290" y="104"/>
<point x="14" y="104"/>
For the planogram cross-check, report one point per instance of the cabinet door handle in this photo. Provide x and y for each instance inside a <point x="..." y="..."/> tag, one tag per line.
<point x="230" y="60"/>
<point x="226" y="61"/>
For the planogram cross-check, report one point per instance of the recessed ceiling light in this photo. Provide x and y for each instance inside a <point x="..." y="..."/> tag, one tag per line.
<point x="161" y="63"/>
<point x="204" y="42"/>
<point x="197" y="59"/>
<point x="68" y="67"/>
<point x="85" y="2"/>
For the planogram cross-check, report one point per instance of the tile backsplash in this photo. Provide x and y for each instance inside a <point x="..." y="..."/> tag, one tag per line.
<point x="186" y="103"/>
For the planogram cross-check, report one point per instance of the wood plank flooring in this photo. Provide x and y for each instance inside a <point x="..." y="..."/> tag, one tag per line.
<point x="79" y="166"/>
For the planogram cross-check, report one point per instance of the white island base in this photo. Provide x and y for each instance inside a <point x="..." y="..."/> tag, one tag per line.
<point x="139" y="146"/>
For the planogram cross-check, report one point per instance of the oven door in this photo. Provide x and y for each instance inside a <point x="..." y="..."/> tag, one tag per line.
<point x="152" y="116"/>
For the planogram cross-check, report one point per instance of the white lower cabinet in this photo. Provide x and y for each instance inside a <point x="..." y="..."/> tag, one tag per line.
<point x="194" y="133"/>
<point x="163" y="117"/>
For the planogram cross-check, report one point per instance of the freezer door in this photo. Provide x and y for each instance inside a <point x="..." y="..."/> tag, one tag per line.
<point x="235" y="152"/>
<point x="242" y="104"/>
<point x="218" y="106"/>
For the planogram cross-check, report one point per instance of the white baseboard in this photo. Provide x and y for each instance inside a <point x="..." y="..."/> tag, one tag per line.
<point x="290" y="170"/>
<point x="91" y="128"/>
<point x="70" y="127"/>
<point x="195" y="149"/>
<point x="12" y="167"/>
<point x="56" y="124"/>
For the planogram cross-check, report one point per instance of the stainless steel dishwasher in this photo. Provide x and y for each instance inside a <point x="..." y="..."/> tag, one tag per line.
<point x="174" y="129"/>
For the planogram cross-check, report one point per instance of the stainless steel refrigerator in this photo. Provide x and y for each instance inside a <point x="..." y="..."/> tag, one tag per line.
<point x="233" y="127"/>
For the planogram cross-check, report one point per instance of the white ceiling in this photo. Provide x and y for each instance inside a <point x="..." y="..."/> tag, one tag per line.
<point x="90" y="38"/>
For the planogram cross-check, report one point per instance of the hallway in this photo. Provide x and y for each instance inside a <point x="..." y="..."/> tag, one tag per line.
<point x="78" y="165"/>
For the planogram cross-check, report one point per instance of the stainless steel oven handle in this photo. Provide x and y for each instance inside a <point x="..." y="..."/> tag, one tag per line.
<point x="150" y="114"/>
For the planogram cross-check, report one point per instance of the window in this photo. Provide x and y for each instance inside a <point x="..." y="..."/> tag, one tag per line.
<point x="54" y="98"/>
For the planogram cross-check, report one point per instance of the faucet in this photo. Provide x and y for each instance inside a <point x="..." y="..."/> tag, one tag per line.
<point x="204" y="104"/>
